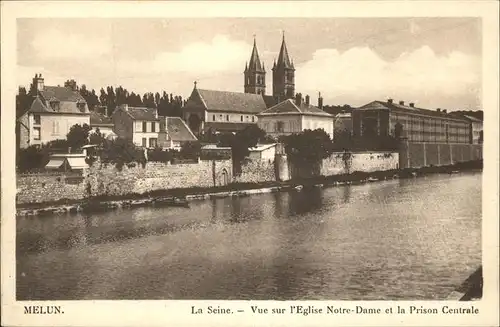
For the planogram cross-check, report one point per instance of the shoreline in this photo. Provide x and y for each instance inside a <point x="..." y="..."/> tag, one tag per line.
<point x="164" y="198"/>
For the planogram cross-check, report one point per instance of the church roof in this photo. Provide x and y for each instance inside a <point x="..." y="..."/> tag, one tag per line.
<point x="223" y="101"/>
<point x="255" y="63"/>
<point x="283" y="58"/>
<point x="178" y="131"/>
<point x="289" y="107"/>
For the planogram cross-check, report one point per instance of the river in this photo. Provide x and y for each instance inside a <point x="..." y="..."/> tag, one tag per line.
<point x="406" y="239"/>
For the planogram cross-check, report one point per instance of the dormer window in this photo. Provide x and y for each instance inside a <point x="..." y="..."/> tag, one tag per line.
<point x="81" y="106"/>
<point x="55" y="105"/>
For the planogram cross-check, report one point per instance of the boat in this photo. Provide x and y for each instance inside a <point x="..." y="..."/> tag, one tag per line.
<point x="372" y="179"/>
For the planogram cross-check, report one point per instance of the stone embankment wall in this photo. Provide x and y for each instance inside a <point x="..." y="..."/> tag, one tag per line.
<point x="342" y="163"/>
<point x="255" y="171"/>
<point x="107" y="180"/>
<point x="416" y="155"/>
<point x="44" y="187"/>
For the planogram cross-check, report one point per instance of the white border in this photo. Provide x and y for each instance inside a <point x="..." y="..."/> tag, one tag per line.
<point x="176" y="313"/>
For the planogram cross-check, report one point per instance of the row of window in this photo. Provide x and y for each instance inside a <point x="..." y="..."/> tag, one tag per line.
<point x="153" y="142"/>
<point x="145" y="127"/>
<point x="221" y="118"/>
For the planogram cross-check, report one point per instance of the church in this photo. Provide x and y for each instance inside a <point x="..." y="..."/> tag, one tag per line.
<point x="220" y="111"/>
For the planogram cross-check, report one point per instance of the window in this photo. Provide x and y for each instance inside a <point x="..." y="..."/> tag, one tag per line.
<point x="280" y="126"/>
<point x="241" y="118"/>
<point x="55" y="127"/>
<point x="36" y="118"/>
<point x="253" y="119"/>
<point x="213" y="117"/>
<point x="144" y="126"/>
<point x="153" y="127"/>
<point x="81" y="106"/>
<point x="247" y="118"/>
<point x="55" y="105"/>
<point x="144" y="142"/>
<point x="153" y="142"/>
<point x="36" y="133"/>
<point x="227" y="117"/>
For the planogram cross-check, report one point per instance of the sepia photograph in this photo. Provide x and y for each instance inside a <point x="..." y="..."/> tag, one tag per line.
<point x="249" y="158"/>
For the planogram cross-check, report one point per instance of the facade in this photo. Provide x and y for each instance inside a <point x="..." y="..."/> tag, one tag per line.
<point x="379" y="118"/>
<point x="219" y="111"/>
<point x="101" y="122"/>
<point x="289" y="117"/>
<point x="174" y="133"/>
<point x="139" y="124"/>
<point x="342" y="123"/>
<point x="476" y="130"/>
<point x="255" y="74"/>
<point x="52" y="113"/>
<point x="265" y="152"/>
<point x="283" y="75"/>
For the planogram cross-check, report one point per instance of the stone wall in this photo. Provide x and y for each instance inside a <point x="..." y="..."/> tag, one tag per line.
<point x="254" y="171"/>
<point x="133" y="178"/>
<point x="418" y="154"/>
<point x="107" y="180"/>
<point x="338" y="163"/>
<point x="49" y="187"/>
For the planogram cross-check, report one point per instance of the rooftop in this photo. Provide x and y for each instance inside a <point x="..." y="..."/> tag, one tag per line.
<point x="229" y="101"/>
<point x="289" y="107"/>
<point x="97" y="119"/>
<point x="178" y="130"/>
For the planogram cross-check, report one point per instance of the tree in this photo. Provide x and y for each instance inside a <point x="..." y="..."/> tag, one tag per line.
<point x="97" y="138"/>
<point x="309" y="145"/>
<point x="120" y="152"/>
<point x="191" y="150"/>
<point x="78" y="136"/>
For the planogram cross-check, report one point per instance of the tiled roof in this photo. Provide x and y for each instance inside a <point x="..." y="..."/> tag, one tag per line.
<point x="178" y="131"/>
<point x="226" y="127"/>
<point x="381" y="105"/>
<point x="142" y="113"/>
<point x="289" y="107"/>
<point x="231" y="101"/>
<point x="270" y="101"/>
<point x="40" y="105"/>
<point x="61" y="93"/>
<point x="99" y="119"/>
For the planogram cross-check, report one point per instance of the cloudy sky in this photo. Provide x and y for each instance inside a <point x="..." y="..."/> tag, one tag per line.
<point x="434" y="62"/>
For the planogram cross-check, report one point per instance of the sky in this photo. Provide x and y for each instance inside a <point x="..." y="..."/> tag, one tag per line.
<point x="433" y="62"/>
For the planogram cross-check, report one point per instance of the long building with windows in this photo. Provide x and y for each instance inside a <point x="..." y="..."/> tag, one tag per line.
<point x="379" y="118"/>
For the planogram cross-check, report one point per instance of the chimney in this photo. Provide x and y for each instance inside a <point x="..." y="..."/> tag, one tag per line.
<point x="389" y="100"/>
<point x="438" y="109"/>
<point x="307" y="99"/>
<point x="298" y="99"/>
<point x="320" y="101"/>
<point x="412" y="104"/>
<point x="38" y="82"/>
<point x="445" y="111"/>
<point x="402" y="103"/>
<point x="124" y="106"/>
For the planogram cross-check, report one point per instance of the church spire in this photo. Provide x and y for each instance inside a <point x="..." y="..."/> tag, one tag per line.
<point x="255" y="63"/>
<point x="283" y="58"/>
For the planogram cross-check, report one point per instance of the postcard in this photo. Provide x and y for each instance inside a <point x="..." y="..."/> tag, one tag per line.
<point x="250" y="163"/>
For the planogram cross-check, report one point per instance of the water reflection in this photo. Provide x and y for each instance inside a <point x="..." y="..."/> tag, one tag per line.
<point x="397" y="239"/>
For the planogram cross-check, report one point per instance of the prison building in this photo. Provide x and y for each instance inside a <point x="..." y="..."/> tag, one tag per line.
<point x="379" y="118"/>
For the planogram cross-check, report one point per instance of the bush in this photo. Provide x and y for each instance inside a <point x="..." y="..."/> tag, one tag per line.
<point x="120" y="152"/>
<point x="190" y="150"/>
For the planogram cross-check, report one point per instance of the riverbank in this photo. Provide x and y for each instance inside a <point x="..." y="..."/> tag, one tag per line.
<point x="165" y="197"/>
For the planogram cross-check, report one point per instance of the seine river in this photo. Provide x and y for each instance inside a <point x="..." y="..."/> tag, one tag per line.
<point x="400" y="239"/>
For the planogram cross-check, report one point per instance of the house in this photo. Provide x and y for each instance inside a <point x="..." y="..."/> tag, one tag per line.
<point x="264" y="152"/>
<point x="289" y="116"/>
<point x="101" y="122"/>
<point x="67" y="162"/>
<point x="52" y="113"/>
<point x="174" y="133"/>
<point x="380" y="118"/>
<point x="138" y="124"/>
<point x="220" y="111"/>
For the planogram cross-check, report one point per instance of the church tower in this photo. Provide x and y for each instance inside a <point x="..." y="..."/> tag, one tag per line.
<point x="255" y="74"/>
<point x="283" y="75"/>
